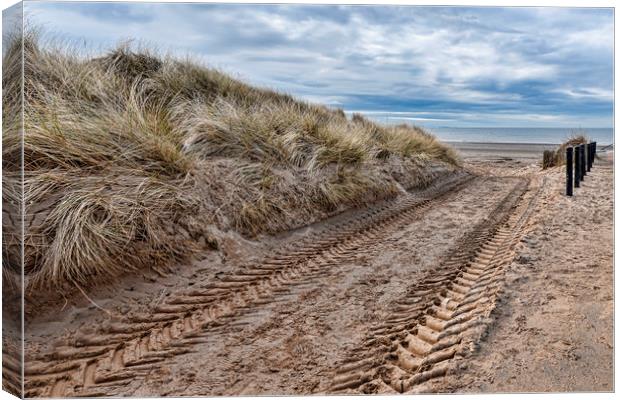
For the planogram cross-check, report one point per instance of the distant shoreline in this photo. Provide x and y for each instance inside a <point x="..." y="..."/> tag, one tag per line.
<point x="452" y="142"/>
<point x="494" y="150"/>
<point x="477" y="142"/>
<point x="509" y="136"/>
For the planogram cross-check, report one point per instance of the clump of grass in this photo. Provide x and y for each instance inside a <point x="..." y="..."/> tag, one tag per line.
<point x="558" y="157"/>
<point x="132" y="160"/>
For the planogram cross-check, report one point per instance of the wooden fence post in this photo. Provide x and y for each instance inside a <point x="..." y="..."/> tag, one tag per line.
<point x="582" y="162"/>
<point x="569" y="171"/>
<point x="586" y="154"/>
<point x="577" y="167"/>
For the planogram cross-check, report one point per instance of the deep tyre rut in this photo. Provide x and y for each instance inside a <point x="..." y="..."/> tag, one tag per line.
<point x="130" y="347"/>
<point x="11" y="367"/>
<point x="440" y="319"/>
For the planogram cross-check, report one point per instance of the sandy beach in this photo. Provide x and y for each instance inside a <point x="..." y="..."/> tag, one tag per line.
<point x="237" y="199"/>
<point x="525" y="152"/>
<point x="332" y="307"/>
<point x="553" y="329"/>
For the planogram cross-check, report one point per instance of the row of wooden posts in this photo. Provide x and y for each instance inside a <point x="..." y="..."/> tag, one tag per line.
<point x="584" y="155"/>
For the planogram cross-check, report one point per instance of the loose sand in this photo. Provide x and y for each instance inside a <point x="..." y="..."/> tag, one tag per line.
<point x="553" y="331"/>
<point x="222" y="333"/>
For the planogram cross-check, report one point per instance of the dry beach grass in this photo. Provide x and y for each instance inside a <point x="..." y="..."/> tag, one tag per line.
<point x="558" y="157"/>
<point x="134" y="160"/>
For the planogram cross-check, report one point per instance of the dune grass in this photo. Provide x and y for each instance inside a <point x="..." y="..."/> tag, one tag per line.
<point x="134" y="160"/>
<point x="558" y="156"/>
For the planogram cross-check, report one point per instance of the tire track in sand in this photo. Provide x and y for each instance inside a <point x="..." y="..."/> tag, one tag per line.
<point x="130" y="347"/>
<point x="441" y="318"/>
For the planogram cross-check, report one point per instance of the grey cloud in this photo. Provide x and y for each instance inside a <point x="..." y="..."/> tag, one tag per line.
<point x="421" y="57"/>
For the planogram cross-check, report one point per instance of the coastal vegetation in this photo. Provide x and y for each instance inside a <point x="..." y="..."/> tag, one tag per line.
<point x="136" y="160"/>
<point x="557" y="157"/>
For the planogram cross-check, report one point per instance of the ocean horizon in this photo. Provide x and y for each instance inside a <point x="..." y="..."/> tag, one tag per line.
<point x="603" y="136"/>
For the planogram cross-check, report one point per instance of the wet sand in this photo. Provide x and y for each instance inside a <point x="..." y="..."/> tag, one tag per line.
<point x="524" y="152"/>
<point x="497" y="151"/>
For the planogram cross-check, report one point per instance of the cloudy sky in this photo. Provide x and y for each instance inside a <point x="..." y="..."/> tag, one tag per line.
<point x="433" y="66"/>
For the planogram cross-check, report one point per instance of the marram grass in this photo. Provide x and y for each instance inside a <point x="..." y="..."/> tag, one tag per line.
<point x="134" y="161"/>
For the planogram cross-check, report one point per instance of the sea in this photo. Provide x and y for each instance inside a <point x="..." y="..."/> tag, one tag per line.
<point x="603" y="136"/>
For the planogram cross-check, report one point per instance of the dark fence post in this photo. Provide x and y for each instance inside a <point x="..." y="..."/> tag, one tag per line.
<point x="582" y="148"/>
<point x="586" y="159"/>
<point x="593" y="152"/>
<point x="577" y="166"/>
<point x="569" y="171"/>
<point x="589" y="151"/>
